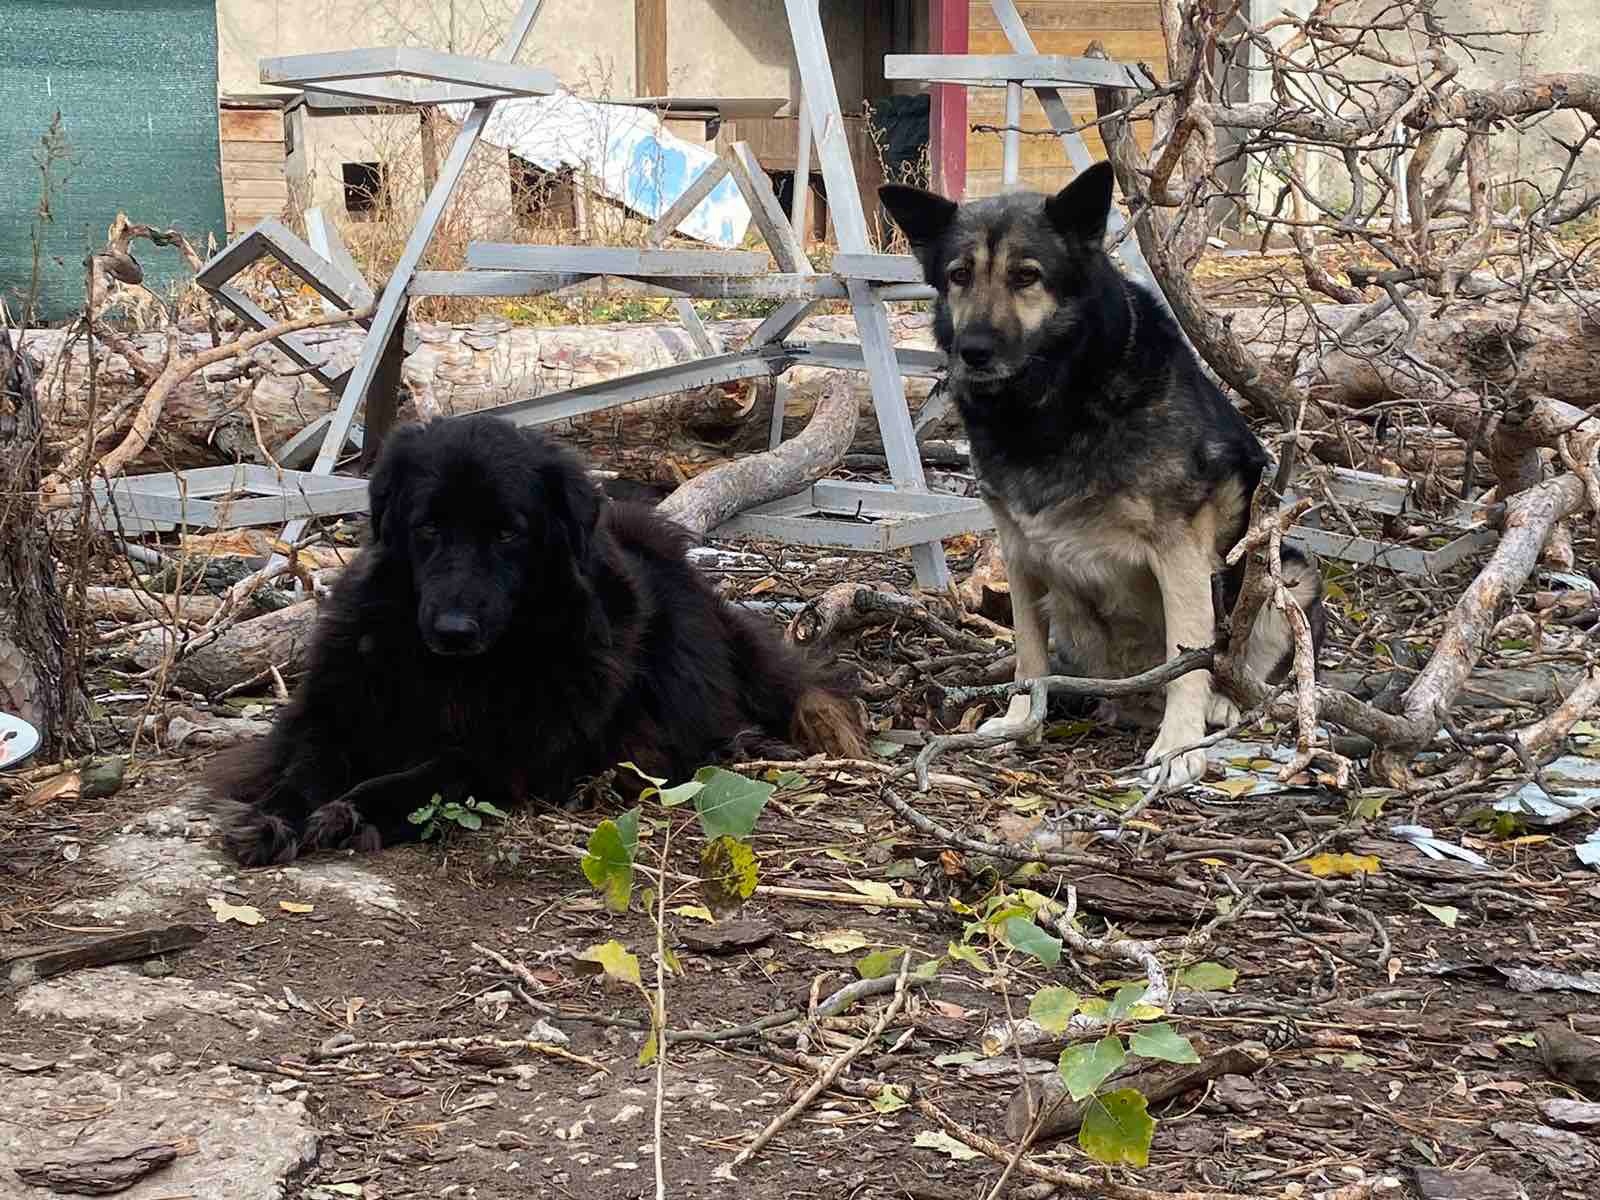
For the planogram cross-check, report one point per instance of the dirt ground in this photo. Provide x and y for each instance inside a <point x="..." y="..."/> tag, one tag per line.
<point x="281" y="1054"/>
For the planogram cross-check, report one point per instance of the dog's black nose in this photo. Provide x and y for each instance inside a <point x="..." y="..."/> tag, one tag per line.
<point x="977" y="351"/>
<point x="455" y="632"/>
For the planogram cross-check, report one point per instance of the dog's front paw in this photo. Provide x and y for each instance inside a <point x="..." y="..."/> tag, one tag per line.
<point x="259" y="839"/>
<point x="338" y="824"/>
<point x="1016" y="714"/>
<point x="1221" y="712"/>
<point x="1182" y="769"/>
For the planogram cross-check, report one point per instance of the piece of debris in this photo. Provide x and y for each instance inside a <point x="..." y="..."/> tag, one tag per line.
<point x="1560" y="1151"/>
<point x="1475" y="1183"/>
<point x="1570" y="1057"/>
<point x="1541" y="979"/>
<point x="1422" y="838"/>
<point x="30" y="966"/>
<point x="101" y="1171"/>
<point x="1571" y="1114"/>
<point x="729" y="938"/>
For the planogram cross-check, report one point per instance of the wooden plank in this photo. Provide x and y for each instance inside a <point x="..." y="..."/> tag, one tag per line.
<point x="875" y="34"/>
<point x="234" y="171"/>
<point x="272" y="152"/>
<point x="259" y="189"/>
<point x="612" y="260"/>
<point x="30" y="967"/>
<point x="251" y="125"/>
<point x="244" y="213"/>
<point x="1046" y="17"/>
<point x="650" y="48"/>
<point x="985" y="153"/>
<point x="1125" y="46"/>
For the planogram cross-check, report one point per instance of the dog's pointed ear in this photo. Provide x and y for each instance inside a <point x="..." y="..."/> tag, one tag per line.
<point x="922" y="216"/>
<point x="394" y="463"/>
<point x="1080" y="209"/>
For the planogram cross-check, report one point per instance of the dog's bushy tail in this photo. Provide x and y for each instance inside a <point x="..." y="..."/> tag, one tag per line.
<point x="827" y="722"/>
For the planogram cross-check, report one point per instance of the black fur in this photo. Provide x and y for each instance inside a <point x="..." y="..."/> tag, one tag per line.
<point x="506" y="633"/>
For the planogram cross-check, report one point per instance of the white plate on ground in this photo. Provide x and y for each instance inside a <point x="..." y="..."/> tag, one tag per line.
<point x="18" y="740"/>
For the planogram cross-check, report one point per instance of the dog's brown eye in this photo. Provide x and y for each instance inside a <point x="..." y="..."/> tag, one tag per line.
<point x="961" y="276"/>
<point x="1024" y="277"/>
<point x="506" y="535"/>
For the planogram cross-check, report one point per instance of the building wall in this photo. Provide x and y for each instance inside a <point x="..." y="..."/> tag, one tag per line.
<point x="1552" y="36"/>
<point x="1130" y="31"/>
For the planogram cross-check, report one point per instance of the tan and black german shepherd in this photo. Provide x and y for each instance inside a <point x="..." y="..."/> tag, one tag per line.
<point x="1118" y="474"/>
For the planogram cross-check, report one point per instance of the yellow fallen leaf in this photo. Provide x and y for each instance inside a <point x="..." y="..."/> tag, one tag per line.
<point x="1324" y="866"/>
<point x="1234" y="788"/>
<point x="835" y="941"/>
<point x="294" y="906"/>
<point x="245" y="914"/>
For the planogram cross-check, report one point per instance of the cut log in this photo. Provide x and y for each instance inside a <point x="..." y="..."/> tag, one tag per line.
<point x="127" y="604"/>
<point x="472" y="367"/>
<point x="244" y="651"/>
<point x="709" y="499"/>
<point x="30" y="966"/>
<point x="468" y="368"/>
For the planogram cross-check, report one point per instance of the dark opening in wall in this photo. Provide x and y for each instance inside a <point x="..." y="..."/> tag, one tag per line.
<point x="363" y="188"/>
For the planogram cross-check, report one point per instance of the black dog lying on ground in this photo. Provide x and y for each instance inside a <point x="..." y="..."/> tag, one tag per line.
<point x="506" y="633"/>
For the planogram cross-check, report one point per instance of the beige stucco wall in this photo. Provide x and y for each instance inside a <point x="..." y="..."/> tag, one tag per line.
<point x="1548" y="36"/>
<point x="587" y="43"/>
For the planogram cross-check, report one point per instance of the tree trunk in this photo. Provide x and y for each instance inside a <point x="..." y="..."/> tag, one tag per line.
<point x="33" y="625"/>
<point x="468" y="368"/>
<point x="1523" y="350"/>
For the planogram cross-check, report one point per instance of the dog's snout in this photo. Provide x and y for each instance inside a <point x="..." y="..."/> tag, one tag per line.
<point x="456" y="632"/>
<point x="977" y="349"/>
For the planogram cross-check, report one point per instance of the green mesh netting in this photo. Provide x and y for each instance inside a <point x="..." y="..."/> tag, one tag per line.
<point x="135" y="82"/>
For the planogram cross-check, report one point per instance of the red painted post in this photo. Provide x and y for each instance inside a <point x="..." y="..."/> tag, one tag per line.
<point x="948" y="22"/>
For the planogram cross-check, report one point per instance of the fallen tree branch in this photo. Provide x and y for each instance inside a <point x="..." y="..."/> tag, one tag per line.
<point x="834" y="1069"/>
<point x="717" y="495"/>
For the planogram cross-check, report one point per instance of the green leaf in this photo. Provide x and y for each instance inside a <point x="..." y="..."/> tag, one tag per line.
<point x="421" y="816"/>
<point x="788" y="781"/>
<point x="1445" y="914"/>
<point x="729" y="804"/>
<point x="884" y="748"/>
<point x="614" y="960"/>
<point x="698" y="911"/>
<point x="1052" y="1008"/>
<point x="608" y="866"/>
<point x="890" y="1100"/>
<point x="1022" y="934"/>
<point x="628" y="827"/>
<point x="880" y="963"/>
<point x="966" y="954"/>
<point x="647" y="1052"/>
<point x="1084" y="1068"/>
<point x="728" y="875"/>
<point x="628" y="766"/>
<point x="1127" y="996"/>
<point x="1163" y="1042"/>
<point x="468" y="819"/>
<point x="1207" y="977"/>
<point x="489" y="810"/>
<point x="673" y="796"/>
<point x="1118" y="1128"/>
